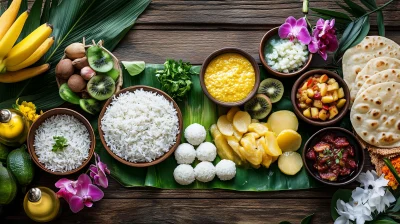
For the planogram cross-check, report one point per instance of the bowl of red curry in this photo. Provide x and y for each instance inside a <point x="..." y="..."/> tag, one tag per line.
<point x="334" y="156"/>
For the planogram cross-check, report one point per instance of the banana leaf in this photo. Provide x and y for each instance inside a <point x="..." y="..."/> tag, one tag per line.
<point x="106" y="20"/>
<point x="197" y="108"/>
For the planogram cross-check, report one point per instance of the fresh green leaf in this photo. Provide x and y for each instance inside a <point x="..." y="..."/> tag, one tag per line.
<point x="392" y="169"/>
<point x="134" y="67"/>
<point x="396" y="206"/>
<point x="381" y="23"/>
<point x="331" y="13"/>
<point x="344" y="7"/>
<point x="60" y="144"/>
<point x="307" y="220"/>
<point x="363" y="33"/>
<point x="383" y="222"/>
<point x="175" y="78"/>
<point x="342" y="194"/>
<point x="357" y="10"/>
<point x="370" y="4"/>
<point x="33" y="20"/>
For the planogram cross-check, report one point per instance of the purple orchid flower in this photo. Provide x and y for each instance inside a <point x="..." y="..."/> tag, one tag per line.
<point x="98" y="172"/>
<point x="324" y="38"/>
<point x="295" y="29"/>
<point x="79" y="193"/>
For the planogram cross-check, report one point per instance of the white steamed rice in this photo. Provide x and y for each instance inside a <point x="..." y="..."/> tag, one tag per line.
<point x="78" y="140"/>
<point x="140" y="126"/>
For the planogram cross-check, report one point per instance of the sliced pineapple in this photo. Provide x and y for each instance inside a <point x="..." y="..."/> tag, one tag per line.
<point x="289" y="140"/>
<point x="238" y="135"/>
<point x="266" y="159"/>
<point x="225" y="151"/>
<point x="214" y="131"/>
<point x="258" y="128"/>
<point x="224" y="126"/>
<point x="232" y="113"/>
<point x="272" y="148"/>
<point x="241" y="121"/>
<point x="290" y="163"/>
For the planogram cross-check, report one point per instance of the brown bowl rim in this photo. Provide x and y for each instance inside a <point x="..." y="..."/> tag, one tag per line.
<point x="264" y="39"/>
<point x="54" y="112"/>
<point x="163" y="157"/>
<point x="230" y="50"/>
<point x="330" y="74"/>
<point x="359" y="147"/>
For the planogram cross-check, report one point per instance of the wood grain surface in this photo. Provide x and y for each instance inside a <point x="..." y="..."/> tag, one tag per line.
<point x="191" y="30"/>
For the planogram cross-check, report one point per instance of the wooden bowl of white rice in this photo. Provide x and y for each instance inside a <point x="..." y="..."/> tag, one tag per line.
<point x="140" y="126"/>
<point x="68" y="124"/>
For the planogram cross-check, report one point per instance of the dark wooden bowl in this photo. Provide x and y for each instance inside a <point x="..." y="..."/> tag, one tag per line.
<point x="223" y="51"/>
<point x="273" y="32"/>
<point x="158" y="160"/>
<point x="358" y="149"/>
<point x="41" y="119"/>
<point x="342" y="111"/>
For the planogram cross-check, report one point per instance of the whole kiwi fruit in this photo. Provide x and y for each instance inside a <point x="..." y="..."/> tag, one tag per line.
<point x="64" y="69"/>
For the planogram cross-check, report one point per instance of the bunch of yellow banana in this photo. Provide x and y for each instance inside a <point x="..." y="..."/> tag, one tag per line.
<point x="14" y="60"/>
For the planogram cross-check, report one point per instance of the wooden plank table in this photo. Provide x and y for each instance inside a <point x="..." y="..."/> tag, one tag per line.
<point x="191" y="30"/>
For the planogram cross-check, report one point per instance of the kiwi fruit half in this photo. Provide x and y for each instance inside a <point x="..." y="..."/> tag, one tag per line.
<point x="259" y="106"/>
<point x="101" y="87"/>
<point x="113" y="73"/>
<point x="91" y="106"/>
<point x="99" y="60"/>
<point x="273" y="88"/>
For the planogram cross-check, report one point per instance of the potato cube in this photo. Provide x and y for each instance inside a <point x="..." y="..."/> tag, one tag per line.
<point x="323" y="115"/>
<point x="341" y="103"/>
<point x="327" y="99"/>
<point x="314" y="112"/>
<point x="317" y="103"/>
<point x="333" y="86"/>
<point x="304" y="87"/>
<point x="307" y="113"/>
<point x="323" y="89"/>
<point x="310" y="93"/>
<point x="331" y="81"/>
<point x="323" y="78"/>
<point x="340" y="93"/>
<point x="335" y="95"/>
<point x="303" y="106"/>
<point x="333" y="111"/>
<point x="308" y="101"/>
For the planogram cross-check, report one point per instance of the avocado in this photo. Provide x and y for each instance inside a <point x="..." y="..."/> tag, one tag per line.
<point x="20" y="163"/>
<point x="8" y="186"/>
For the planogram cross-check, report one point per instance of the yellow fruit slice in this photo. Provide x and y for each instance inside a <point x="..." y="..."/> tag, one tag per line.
<point x="214" y="131"/>
<point x="241" y="121"/>
<point x="290" y="163"/>
<point x="254" y="134"/>
<point x="258" y="128"/>
<point x="253" y="156"/>
<point x="238" y="135"/>
<point x="234" y="144"/>
<point x="289" y="140"/>
<point x="266" y="159"/>
<point x="232" y="113"/>
<point x="248" y="141"/>
<point x="224" y="126"/>
<point x="225" y="151"/>
<point x="281" y="120"/>
<point x="272" y="148"/>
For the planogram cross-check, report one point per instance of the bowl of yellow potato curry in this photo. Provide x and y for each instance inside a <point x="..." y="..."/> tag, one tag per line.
<point x="230" y="77"/>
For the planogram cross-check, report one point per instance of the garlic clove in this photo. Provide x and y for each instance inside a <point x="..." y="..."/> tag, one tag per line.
<point x="87" y="73"/>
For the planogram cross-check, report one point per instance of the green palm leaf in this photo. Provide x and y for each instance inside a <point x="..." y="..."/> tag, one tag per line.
<point x="106" y="20"/>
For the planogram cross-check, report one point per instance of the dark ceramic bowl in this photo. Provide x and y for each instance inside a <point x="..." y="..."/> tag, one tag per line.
<point x="158" y="160"/>
<point x="272" y="34"/>
<point x="358" y="149"/>
<point x="54" y="112"/>
<point x="342" y="111"/>
<point x="223" y="51"/>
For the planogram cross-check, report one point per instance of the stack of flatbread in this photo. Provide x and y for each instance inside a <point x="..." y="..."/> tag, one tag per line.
<point x="372" y="72"/>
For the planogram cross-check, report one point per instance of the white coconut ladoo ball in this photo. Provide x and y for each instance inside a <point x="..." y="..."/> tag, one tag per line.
<point x="184" y="174"/>
<point x="204" y="171"/>
<point x="195" y="134"/>
<point x="225" y="169"/>
<point x="206" y="152"/>
<point x="185" y="154"/>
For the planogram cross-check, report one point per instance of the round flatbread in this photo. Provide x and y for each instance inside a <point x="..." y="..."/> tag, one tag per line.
<point x="355" y="58"/>
<point x="375" y="115"/>
<point x="372" y="67"/>
<point x="390" y="75"/>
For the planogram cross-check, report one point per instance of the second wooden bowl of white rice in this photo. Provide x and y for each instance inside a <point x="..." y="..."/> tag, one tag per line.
<point x="140" y="126"/>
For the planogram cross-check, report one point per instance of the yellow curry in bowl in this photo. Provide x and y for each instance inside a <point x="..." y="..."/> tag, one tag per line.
<point x="229" y="77"/>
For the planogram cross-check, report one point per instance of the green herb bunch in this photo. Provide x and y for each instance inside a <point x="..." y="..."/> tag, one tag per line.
<point x="355" y="26"/>
<point x="175" y="79"/>
<point x="60" y="144"/>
